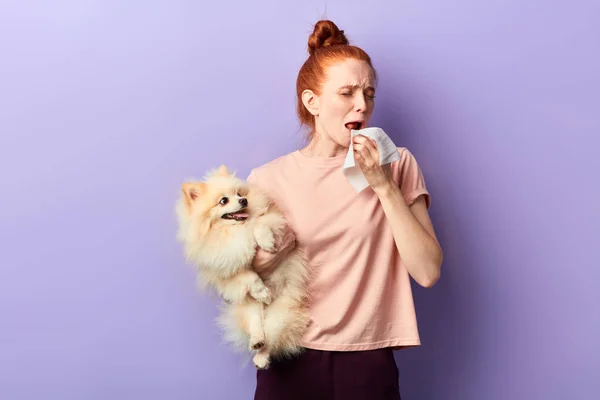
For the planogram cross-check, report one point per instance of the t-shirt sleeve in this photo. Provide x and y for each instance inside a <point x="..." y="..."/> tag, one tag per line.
<point x="261" y="178"/>
<point x="411" y="180"/>
<point x="255" y="179"/>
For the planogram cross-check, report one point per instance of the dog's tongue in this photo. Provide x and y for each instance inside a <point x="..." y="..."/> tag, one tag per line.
<point x="240" y="215"/>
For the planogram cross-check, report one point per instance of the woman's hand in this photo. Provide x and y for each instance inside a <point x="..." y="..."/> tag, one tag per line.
<point x="366" y="156"/>
<point x="284" y="244"/>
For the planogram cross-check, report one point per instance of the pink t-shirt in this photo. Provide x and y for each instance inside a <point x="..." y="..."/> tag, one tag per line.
<point x="361" y="297"/>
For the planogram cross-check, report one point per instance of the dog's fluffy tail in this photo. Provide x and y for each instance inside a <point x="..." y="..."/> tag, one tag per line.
<point x="286" y="319"/>
<point x="234" y="333"/>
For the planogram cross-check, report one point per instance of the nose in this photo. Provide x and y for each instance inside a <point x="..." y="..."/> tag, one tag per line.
<point x="360" y="102"/>
<point x="244" y="202"/>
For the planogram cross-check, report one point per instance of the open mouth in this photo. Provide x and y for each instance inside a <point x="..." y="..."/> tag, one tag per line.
<point x="355" y="125"/>
<point x="236" y="216"/>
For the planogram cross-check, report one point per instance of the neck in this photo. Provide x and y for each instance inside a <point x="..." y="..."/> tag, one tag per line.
<point x="323" y="148"/>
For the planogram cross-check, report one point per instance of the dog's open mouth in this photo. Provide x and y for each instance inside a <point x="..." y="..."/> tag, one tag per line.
<point x="236" y="216"/>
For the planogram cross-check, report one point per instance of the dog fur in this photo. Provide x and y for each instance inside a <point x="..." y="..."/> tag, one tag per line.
<point x="264" y="312"/>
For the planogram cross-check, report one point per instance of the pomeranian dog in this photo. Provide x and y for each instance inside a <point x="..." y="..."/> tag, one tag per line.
<point x="222" y="221"/>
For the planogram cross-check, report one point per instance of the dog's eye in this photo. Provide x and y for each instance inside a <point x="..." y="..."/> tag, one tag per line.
<point x="224" y="201"/>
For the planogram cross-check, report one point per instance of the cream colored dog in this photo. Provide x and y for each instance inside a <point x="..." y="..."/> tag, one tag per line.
<point x="222" y="220"/>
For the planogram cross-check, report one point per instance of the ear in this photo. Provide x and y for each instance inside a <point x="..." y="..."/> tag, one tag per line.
<point x="223" y="171"/>
<point x="191" y="191"/>
<point x="311" y="102"/>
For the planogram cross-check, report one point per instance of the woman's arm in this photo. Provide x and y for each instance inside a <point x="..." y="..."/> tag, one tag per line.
<point x="411" y="226"/>
<point x="413" y="233"/>
<point x="284" y="243"/>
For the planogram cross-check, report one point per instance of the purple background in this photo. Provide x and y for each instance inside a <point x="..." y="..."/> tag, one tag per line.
<point x="106" y="106"/>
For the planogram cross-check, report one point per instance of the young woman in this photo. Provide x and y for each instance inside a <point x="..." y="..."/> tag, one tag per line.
<point x="363" y="247"/>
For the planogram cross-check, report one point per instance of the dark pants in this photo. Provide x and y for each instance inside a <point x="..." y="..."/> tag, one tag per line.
<point x="329" y="375"/>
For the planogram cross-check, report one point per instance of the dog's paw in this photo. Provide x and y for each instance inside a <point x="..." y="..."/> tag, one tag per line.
<point x="260" y="292"/>
<point x="261" y="360"/>
<point x="265" y="239"/>
<point x="269" y="246"/>
<point x="257" y="340"/>
<point x="256" y="343"/>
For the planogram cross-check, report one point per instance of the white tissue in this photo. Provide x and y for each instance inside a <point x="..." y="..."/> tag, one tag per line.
<point x="388" y="152"/>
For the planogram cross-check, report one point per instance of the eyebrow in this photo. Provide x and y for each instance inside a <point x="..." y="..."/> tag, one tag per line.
<point x="370" y="87"/>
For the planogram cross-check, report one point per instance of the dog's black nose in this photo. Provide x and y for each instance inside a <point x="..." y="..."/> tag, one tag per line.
<point x="244" y="202"/>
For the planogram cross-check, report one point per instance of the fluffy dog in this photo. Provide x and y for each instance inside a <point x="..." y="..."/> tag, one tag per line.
<point x="222" y="220"/>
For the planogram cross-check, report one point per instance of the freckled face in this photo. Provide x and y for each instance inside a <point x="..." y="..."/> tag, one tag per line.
<point x="346" y="101"/>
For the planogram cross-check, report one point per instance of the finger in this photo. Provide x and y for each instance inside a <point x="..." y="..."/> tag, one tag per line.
<point x="362" y="158"/>
<point x="360" y="139"/>
<point x="374" y="143"/>
<point x="366" y="142"/>
<point x="262" y="259"/>
<point x="371" y="145"/>
<point x="368" y="150"/>
<point x="360" y="148"/>
<point x="358" y="157"/>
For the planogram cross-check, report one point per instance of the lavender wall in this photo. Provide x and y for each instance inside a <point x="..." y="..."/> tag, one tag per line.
<point x="105" y="106"/>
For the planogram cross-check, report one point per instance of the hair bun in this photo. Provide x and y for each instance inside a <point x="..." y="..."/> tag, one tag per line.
<point x="325" y="34"/>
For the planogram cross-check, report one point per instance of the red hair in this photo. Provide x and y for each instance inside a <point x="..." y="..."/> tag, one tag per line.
<point x="327" y="45"/>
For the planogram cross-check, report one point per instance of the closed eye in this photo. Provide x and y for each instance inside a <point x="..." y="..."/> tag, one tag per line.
<point x="348" y="91"/>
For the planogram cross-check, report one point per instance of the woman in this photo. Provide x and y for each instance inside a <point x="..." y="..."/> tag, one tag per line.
<point x="363" y="247"/>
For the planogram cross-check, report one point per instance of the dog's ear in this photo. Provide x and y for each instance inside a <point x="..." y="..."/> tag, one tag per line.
<point x="223" y="171"/>
<point x="191" y="191"/>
